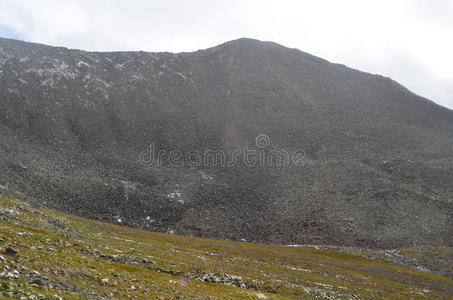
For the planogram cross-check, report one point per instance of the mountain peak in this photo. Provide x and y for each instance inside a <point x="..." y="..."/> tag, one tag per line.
<point x="249" y="42"/>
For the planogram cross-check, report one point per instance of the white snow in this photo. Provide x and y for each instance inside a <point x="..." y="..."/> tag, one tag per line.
<point x="82" y="63"/>
<point x="149" y="219"/>
<point x="299" y="269"/>
<point x="176" y="196"/>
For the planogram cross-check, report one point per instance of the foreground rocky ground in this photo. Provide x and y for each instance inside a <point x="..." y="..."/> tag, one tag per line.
<point x="50" y="255"/>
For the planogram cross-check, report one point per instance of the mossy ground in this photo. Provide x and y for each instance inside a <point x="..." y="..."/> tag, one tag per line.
<point x="65" y="256"/>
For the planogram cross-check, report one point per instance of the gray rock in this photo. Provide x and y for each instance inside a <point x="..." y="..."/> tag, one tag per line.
<point x="10" y="251"/>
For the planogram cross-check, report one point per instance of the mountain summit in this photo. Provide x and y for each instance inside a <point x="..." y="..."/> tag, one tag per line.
<point x="93" y="133"/>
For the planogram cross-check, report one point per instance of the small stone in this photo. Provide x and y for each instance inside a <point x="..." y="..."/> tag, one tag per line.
<point x="10" y="251"/>
<point x="9" y="275"/>
<point x="38" y="282"/>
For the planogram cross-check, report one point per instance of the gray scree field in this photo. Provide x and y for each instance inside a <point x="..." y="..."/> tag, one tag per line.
<point x="377" y="167"/>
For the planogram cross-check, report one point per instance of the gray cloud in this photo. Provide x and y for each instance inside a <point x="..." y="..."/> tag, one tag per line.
<point x="408" y="40"/>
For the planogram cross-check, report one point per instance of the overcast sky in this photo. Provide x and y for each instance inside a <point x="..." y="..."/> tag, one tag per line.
<point x="410" y="41"/>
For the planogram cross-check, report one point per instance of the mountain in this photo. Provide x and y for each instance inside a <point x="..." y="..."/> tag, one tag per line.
<point x="50" y="255"/>
<point x="122" y="137"/>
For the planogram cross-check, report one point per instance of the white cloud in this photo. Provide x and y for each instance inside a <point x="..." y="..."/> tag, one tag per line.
<point x="408" y="40"/>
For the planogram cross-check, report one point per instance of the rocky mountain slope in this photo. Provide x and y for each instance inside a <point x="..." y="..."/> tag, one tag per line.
<point x="48" y="255"/>
<point x="375" y="165"/>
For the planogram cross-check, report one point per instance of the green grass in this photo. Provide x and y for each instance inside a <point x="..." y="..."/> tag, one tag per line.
<point x="139" y="264"/>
